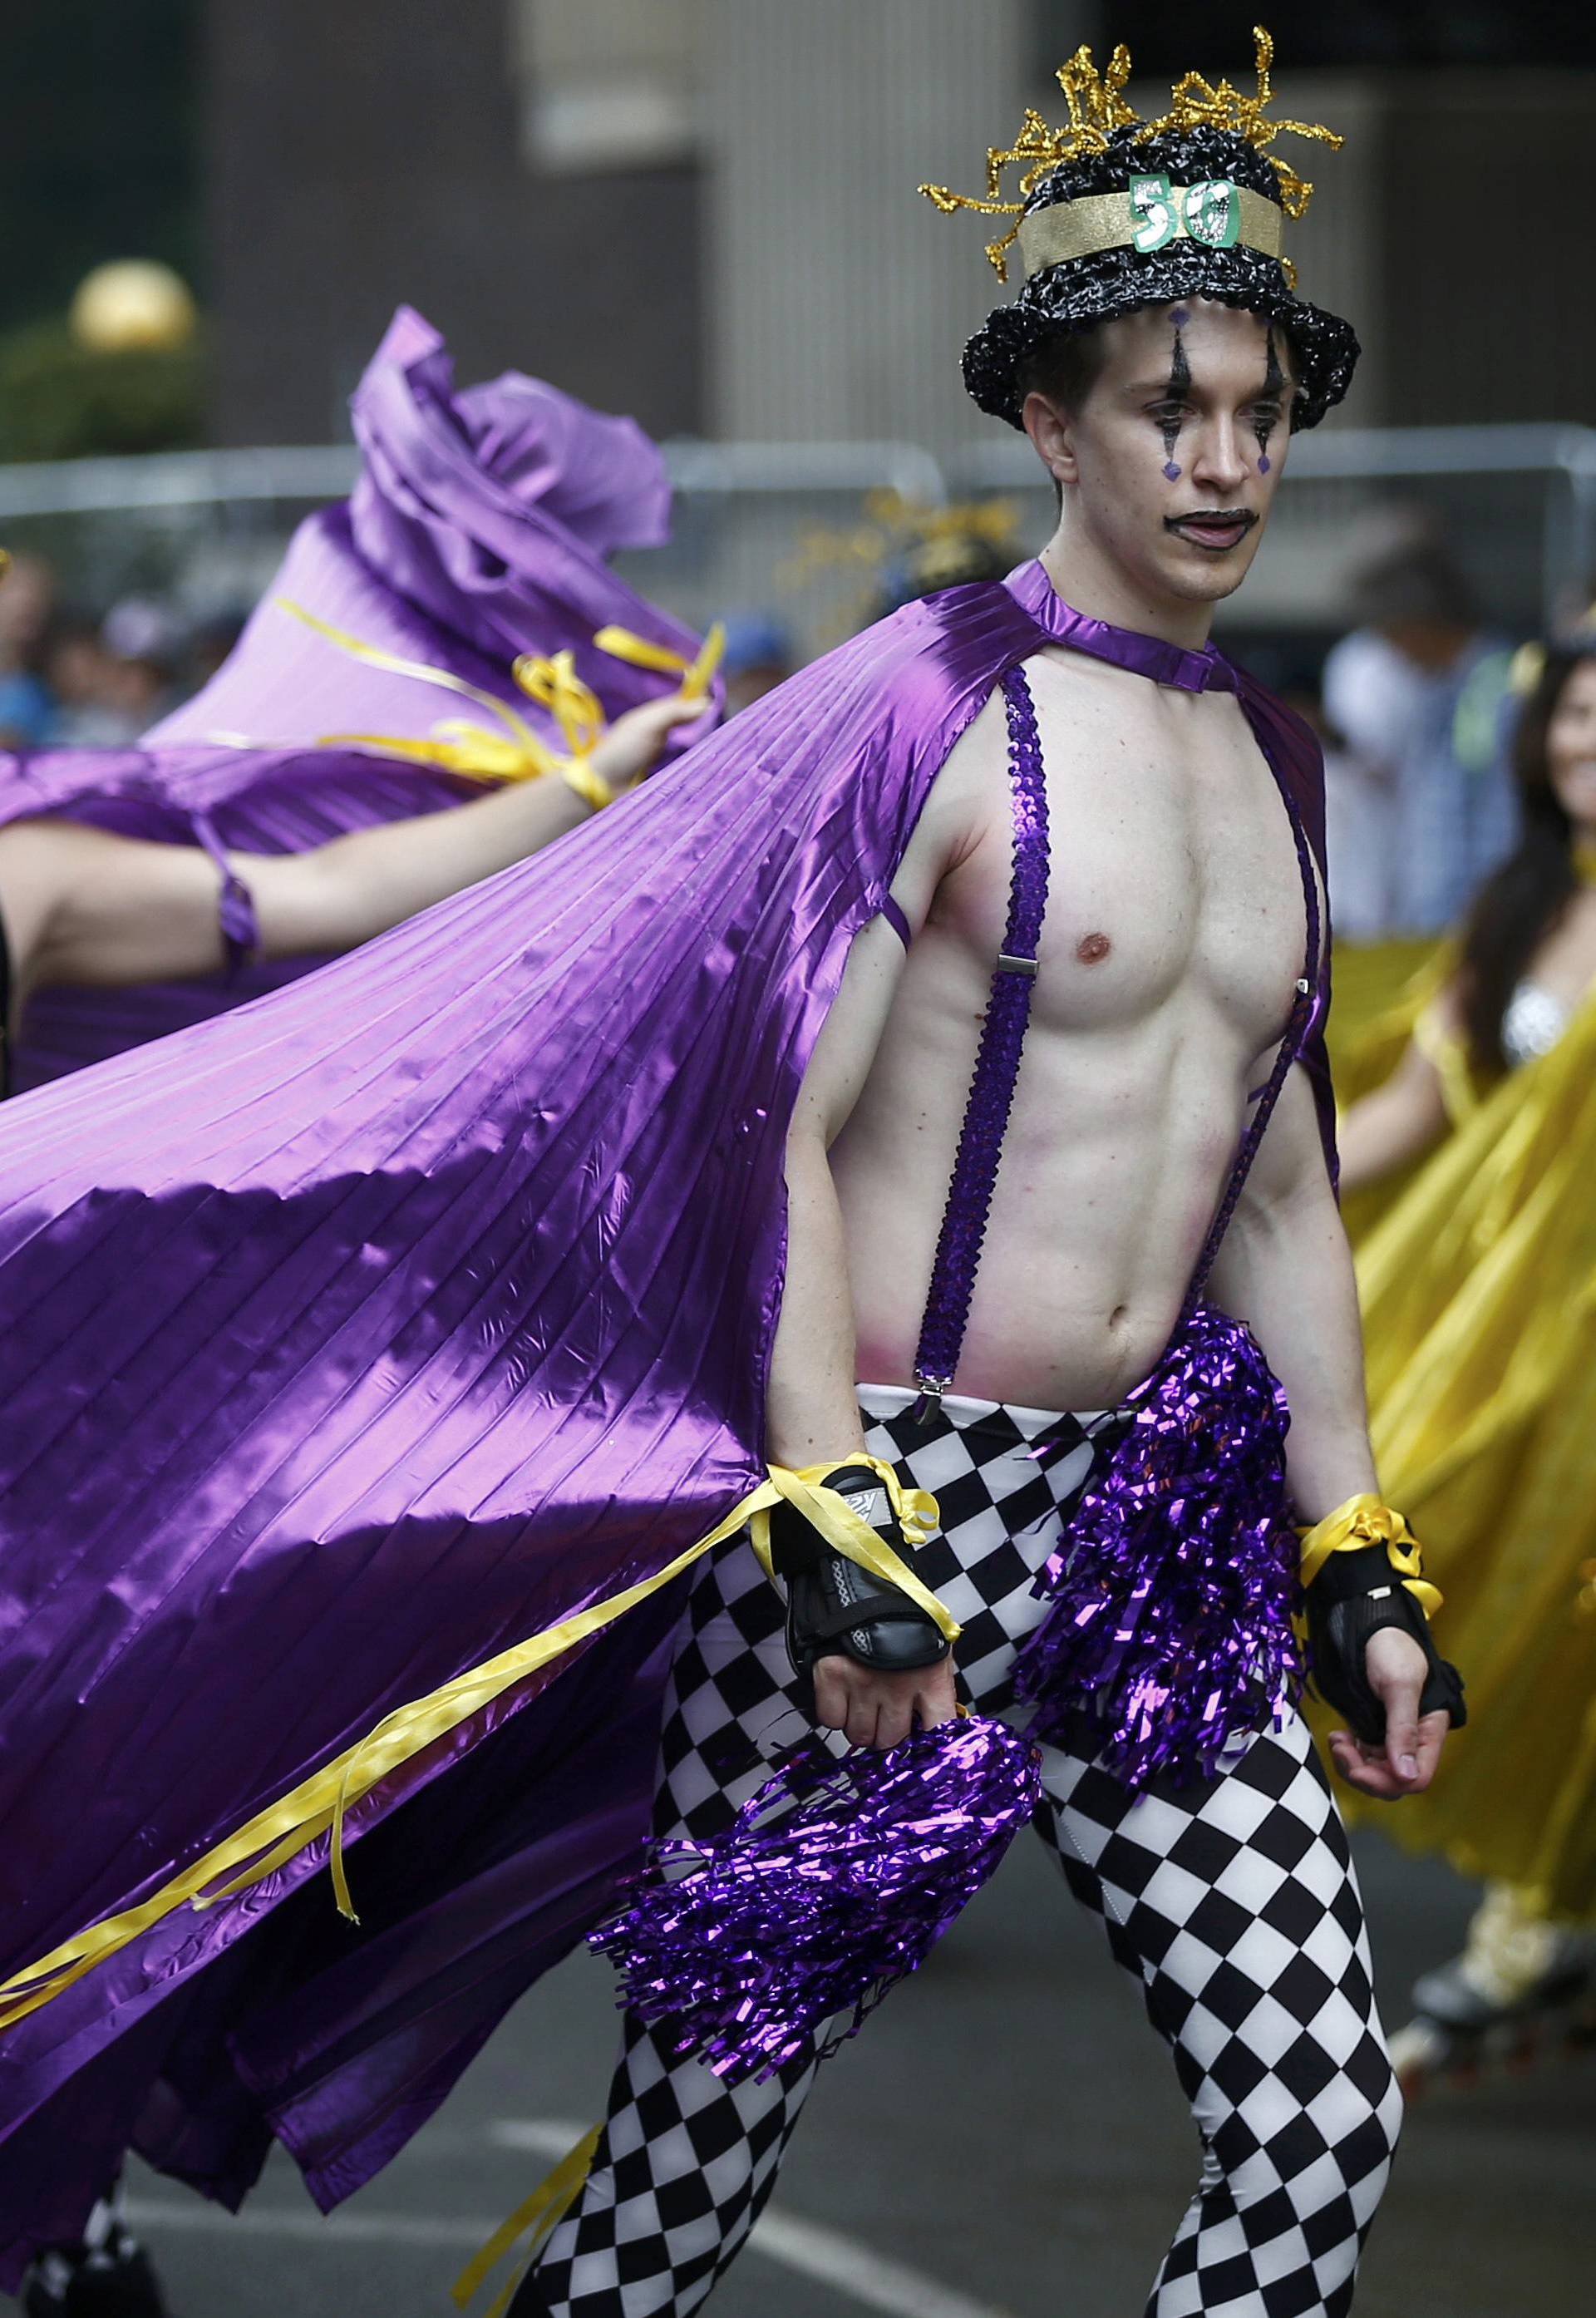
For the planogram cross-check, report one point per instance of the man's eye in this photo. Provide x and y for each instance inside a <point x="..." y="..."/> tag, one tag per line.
<point x="1166" y="412"/>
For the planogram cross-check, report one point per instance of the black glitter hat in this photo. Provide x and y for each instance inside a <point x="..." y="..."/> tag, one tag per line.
<point x="1116" y="213"/>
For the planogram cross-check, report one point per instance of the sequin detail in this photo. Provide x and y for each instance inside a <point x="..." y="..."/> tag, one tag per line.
<point x="997" y="1062"/>
<point x="834" y="1881"/>
<point x="1174" y="1582"/>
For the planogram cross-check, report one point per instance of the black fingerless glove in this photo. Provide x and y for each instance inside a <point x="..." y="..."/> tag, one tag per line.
<point x="835" y="1608"/>
<point x="1355" y="1595"/>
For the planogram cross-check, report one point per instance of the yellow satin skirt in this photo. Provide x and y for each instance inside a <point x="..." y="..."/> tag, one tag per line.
<point x="1478" y="1283"/>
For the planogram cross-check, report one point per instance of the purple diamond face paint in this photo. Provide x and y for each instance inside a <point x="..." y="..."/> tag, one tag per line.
<point x="1179" y="317"/>
<point x="1175" y="393"/>
<point x="1266" y="412"/>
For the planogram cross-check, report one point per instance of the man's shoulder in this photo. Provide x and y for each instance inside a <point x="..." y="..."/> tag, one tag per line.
<point x="1287" y="727"/>
<point x="927" y="653"/>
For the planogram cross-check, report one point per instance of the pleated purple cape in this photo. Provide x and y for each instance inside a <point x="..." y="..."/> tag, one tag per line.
<point x="479" y="528"/>
<point x="363" y="1331"/>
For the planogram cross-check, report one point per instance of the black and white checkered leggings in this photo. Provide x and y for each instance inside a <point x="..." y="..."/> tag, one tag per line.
<point x="1234" y="1903"/>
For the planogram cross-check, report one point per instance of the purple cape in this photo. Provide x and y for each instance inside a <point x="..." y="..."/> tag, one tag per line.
<point x="357" y="1335"/>
<point x="477" y="530"/>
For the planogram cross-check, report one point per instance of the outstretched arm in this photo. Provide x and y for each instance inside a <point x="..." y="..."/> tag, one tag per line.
<point x="1397" y="1122"/>
<point x="83" y="906"/>
<point x="1286" y="1269"/>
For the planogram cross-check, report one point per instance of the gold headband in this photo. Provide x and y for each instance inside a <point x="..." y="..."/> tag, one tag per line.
<point x="1150" y="214"/>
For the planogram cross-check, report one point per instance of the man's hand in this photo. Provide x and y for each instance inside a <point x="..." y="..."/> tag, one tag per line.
<point x="880" y="1709"/>
<point x="1405" y="1764"/>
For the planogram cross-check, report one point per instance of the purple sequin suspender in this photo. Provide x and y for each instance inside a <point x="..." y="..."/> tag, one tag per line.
<point x="997" y="1062"/>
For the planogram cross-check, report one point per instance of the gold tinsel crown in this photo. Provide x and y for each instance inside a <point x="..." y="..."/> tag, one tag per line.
<point x="1097" y="108"/>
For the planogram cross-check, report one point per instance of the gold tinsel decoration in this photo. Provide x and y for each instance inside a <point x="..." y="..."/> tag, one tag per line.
<point x="1097" y="107"/>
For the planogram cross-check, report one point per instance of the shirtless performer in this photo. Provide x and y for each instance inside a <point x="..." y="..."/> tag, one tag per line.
<point x="567" y="1336"/>
<point x="1159" y="393"/>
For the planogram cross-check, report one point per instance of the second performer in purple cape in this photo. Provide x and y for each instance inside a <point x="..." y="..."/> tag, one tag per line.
<point x="480" y="530"/>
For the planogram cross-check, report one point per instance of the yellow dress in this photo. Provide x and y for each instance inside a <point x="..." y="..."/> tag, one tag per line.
<point x="1478" y="1285"/>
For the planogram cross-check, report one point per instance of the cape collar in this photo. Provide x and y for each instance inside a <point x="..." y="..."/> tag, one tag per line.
<point x="1207" y="671"/>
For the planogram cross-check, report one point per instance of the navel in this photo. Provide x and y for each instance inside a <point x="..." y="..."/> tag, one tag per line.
<point x="1092" y="949"/>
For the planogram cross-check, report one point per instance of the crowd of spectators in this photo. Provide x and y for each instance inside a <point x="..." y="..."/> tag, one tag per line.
<point x="1417" y="707"/>
<point x="70" y="678"/>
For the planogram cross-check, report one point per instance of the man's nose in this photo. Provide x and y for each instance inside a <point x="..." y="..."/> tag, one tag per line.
<point x="1221" y="460"/>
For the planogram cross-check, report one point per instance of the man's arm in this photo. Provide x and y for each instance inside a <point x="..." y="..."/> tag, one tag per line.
<point x="812" y="1410"/>
<point x="813" y="1405"/>
<point x="1286" y="1269"/>
<point x="83" y="906"/>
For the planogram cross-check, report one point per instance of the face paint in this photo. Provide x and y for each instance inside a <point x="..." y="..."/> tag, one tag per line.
<point x="1273" y="387"/>
<point x="1177" y="391"/>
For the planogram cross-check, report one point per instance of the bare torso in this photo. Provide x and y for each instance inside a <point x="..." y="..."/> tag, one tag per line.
<point x="1173" y="940"/>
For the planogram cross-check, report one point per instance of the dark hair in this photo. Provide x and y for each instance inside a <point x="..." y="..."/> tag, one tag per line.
<point x="1063" y="366"/>
<point x="1517" y="907"/>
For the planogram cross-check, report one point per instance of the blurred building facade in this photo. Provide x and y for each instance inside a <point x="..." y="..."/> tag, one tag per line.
<point x="704" y="211"/>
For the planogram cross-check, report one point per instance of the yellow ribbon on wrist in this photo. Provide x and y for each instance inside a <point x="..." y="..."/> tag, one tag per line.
<point x="589" y="783"/>
<point x="1368" y="1520"/>
<point x="832" y="1518"/>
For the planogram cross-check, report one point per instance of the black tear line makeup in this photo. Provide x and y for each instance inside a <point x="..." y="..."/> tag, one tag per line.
<point x="1177" y="391"/>
<point x="1273" y="387"/>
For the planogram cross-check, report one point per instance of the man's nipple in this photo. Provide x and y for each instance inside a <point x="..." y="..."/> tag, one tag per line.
<point x="1092" y="949"/>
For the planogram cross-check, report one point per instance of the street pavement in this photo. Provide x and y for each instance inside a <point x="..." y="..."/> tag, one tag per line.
<point x="1004" y="2141"/>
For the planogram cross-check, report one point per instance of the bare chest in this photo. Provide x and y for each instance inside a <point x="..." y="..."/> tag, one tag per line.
<point x="1175" y="873"/>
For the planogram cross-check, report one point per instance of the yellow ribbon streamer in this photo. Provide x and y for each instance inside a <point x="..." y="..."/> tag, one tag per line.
<point x="457" y="745"/>
<point x="318" y="1806"/>
<point x="515" y="753"/>
<point x="637" y="652"/>
<point x="1366" y="1520"/>
<point x="548" y="2203"/>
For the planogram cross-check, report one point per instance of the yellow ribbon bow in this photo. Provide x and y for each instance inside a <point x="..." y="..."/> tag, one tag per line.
<point x="637" y="652"/>
<point x="514" y="751"/>
<point x="1366" y="1520"/>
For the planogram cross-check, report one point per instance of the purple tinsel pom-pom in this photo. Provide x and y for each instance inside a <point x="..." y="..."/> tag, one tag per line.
<point x="1175" y="1580"/>
<point x="835" y="1880"/>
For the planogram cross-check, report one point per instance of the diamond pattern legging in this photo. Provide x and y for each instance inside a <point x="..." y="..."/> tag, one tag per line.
<point x="1234" y="1903"/>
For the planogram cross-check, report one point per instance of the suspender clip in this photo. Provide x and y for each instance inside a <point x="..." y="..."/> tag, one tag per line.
<point x="1008" y="964"/>
<point x="932" y="1388"/>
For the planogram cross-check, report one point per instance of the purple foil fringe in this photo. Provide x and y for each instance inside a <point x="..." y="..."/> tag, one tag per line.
<point x="1175" y="1580"/>
<point x="834" y="1881"/>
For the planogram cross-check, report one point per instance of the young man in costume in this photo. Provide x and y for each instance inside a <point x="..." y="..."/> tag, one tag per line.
<point x="1159" y="364"/>
<point x="473" y="1293"/>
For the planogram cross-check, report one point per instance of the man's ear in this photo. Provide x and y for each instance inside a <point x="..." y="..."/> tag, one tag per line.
<point x="1051" y="429"/>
